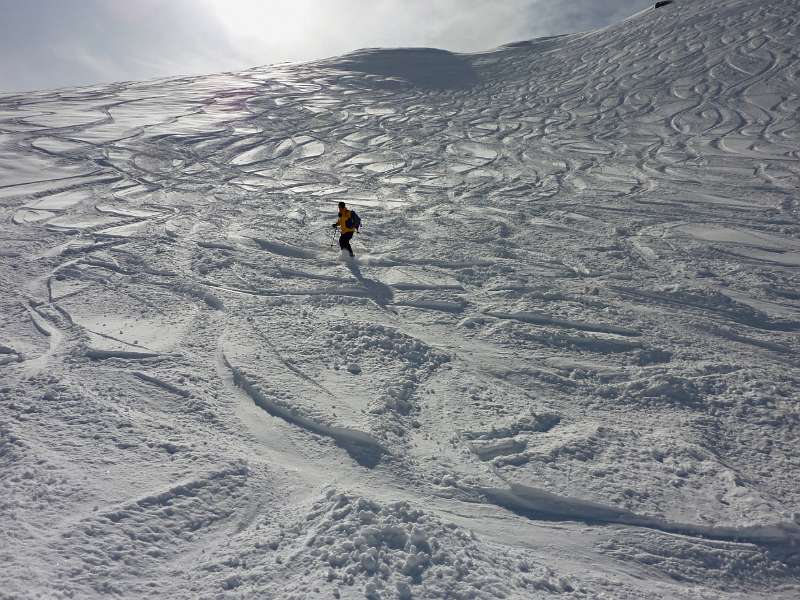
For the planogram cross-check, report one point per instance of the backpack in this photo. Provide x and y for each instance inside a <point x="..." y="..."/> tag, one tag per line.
<point x="353" y="221"/>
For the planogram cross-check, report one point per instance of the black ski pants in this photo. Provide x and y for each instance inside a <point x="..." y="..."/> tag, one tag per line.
<point x="344" y="242"/>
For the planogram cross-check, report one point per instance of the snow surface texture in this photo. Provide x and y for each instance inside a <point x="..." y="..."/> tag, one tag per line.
<point x="564" y="362"/>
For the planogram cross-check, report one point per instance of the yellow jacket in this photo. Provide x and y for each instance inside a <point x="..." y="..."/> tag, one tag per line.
<point x="342" y="221"/>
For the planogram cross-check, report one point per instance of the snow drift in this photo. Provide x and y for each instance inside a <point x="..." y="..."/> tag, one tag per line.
<point x="563" y="363"/>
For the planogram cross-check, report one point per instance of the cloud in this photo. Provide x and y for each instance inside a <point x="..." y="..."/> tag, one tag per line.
<point x="53" y="43"/>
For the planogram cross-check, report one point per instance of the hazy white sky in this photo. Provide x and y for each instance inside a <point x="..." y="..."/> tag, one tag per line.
<point x="55" y="43"/>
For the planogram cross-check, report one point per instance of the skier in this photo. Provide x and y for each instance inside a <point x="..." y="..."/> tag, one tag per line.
<point x="347" y="227"/>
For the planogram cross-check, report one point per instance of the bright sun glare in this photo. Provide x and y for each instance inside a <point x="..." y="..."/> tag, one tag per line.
<point x="248" y="18"/>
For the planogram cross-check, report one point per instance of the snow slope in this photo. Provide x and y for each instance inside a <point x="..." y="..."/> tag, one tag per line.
<point x="565" y="362"/>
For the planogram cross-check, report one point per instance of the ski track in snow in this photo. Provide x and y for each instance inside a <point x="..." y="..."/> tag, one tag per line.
<point x="564" y="361"/>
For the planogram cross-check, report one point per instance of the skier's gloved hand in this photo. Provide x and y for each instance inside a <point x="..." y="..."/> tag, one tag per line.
<point x="334" y="225"/>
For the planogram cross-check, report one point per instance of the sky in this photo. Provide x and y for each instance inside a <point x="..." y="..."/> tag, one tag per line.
<point x="58" y="43"/>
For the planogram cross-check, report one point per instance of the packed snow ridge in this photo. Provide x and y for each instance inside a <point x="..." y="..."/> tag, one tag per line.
<point x="563" y="363"/>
